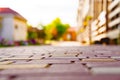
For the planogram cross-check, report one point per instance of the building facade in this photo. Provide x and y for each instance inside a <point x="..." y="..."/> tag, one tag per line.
<point x="70" y="34"/>
<point x="83" y="10"/>
<point x="13" y="26"/>
<point x="114" y="21"/>
<point x="104" y="21"/>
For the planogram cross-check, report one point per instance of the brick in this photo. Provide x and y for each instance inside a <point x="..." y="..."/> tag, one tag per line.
<point x="63" y="63"/>
<point x="106" y="70"/>
<point x="99" y="60"/>
<point x="6" y="62"/>
<point x="23" y="66"/>
<point x="103" y="64"/>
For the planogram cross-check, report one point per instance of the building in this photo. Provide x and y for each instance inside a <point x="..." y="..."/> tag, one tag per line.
<point x="70" y="34"/>
<point x="83" y="10"/>
<point x="114" y="21"/>
<point x="12" y="25"/>
<point x="101" y="20"/>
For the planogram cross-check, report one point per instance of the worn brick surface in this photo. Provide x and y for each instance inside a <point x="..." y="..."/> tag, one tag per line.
<point x="60" y="63"/>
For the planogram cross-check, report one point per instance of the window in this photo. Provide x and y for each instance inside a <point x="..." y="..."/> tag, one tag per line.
<point x="16" y="27"/>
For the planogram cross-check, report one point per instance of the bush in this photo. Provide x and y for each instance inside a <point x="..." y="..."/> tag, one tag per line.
<point x="4" y="42"/>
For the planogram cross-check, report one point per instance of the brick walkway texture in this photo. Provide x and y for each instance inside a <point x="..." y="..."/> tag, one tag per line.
<point x="60" y="63"/>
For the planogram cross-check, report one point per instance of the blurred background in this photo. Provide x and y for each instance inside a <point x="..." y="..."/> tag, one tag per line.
<point x="52" y="22"/>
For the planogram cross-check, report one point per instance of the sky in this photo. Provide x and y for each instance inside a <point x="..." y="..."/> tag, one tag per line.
<point x="44" y="11"/>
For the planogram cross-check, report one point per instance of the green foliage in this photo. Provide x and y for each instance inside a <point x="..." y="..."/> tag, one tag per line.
<point x="32" y="35"/>
<point x="48" y="31"/>
<point x="36" y="33"/>
<point x="41" y="34"/>
<point x="61" y="29"/>
<point x="55" y="29"/>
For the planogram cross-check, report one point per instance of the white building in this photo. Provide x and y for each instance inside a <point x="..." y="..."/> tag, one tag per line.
<point x="104" y="23"/>
<point x="12" y="25"/>
<point x="84" y="11"/>
<point x="114" y="19"/>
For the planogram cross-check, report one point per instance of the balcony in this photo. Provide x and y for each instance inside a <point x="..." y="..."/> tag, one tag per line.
<point x="114" y="22"/>
<point x="113" y="13"/>
<point x="113" y="4"/>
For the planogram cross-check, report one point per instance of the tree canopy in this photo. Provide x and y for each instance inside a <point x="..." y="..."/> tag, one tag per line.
<point x="55" y="29"/>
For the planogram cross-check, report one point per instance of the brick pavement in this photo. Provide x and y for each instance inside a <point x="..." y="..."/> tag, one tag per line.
<point x="60" y="63"/>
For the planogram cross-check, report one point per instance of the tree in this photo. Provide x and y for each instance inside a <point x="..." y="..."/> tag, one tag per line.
<point x="55" y="29"/>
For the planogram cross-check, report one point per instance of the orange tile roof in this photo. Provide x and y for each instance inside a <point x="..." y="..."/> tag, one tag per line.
<point x="8" y="10"/>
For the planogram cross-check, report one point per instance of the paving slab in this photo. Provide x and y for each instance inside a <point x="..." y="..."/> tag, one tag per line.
<point x="60" y="63"/>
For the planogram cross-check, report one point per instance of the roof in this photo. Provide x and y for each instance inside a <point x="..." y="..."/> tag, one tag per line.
<point x="8" y="10"/>
<point x="72" y="29"/>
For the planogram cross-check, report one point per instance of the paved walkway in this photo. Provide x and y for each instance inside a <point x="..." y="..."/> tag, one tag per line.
<point x="60" y="63"/>
<point x="66" y="43"/>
